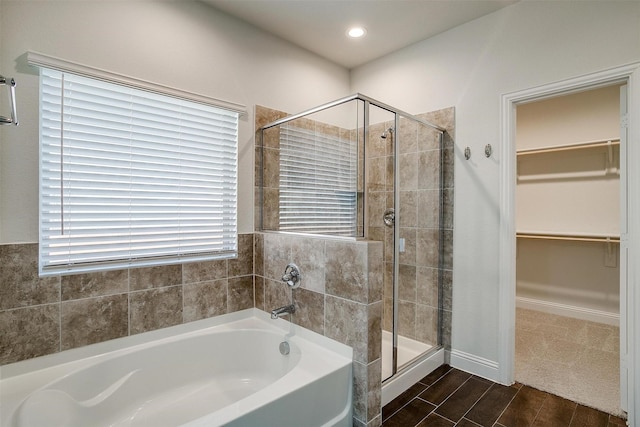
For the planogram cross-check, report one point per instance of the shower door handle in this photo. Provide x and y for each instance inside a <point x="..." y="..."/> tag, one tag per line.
<point x="389" y="217"/>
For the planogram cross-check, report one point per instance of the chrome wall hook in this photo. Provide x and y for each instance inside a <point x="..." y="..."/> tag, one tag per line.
<point x="467" y="153"/>
<point x="488" y="150"/>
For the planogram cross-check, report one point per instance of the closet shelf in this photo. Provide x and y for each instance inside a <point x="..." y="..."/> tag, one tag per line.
<point x="580" y="237"/>
<point x="576" y="146"/>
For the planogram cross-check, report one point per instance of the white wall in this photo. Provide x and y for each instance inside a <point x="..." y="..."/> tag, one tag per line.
<point x="183" y="44"/>
<point x="470" y="67"/>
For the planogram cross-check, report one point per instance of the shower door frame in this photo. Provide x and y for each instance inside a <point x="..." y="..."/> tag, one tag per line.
<point x="396" y="243"/>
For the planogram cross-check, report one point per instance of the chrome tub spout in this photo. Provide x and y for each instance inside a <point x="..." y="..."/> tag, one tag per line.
<point x="287" y="309"/>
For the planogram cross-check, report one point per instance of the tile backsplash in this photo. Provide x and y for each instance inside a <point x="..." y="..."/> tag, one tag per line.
<point x="40" y="316"/>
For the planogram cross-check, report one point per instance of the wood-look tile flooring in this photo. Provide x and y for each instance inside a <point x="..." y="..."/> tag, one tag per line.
<point x="450" y="397"/>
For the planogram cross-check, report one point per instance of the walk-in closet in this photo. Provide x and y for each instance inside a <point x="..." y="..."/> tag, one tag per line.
<point x="568" y="208"/>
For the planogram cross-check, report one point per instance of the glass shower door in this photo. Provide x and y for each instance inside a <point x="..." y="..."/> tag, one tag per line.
<point x="409" y="154"/>
<point x="418" y="212"/>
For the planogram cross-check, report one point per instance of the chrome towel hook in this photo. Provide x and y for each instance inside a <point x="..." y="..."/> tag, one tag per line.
<point x="488" y="150"/>
<point x="11" y="84"/>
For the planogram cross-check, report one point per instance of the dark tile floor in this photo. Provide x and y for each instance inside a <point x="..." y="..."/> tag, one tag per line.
<point x="450" y="397"/>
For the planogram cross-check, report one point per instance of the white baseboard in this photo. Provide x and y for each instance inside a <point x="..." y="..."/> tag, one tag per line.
<point x="476" y="365"/>
<point x="569" y="311"/>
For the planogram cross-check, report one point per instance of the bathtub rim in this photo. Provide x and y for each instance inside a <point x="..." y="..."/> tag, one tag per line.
<point x="92" y="353"/>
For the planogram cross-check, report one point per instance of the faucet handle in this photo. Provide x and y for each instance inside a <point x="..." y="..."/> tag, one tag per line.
<point x="292" y="276"/>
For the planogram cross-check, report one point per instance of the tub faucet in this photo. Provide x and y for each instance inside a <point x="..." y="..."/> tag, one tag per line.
<point x="287" y="309"/>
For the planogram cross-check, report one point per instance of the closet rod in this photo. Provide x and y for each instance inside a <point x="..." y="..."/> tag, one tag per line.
<point x="571" y="237"/>
<point x="565" y="147"/>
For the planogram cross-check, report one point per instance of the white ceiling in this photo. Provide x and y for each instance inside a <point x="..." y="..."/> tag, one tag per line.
<point x="320" y="25"/>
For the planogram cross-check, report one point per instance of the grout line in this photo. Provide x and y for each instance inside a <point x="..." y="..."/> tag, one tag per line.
<point x="474" y="423"/>
<point x="451" y="394"/>
<point x="447" y="398"/>
<point x="541" y="406"/>
<point x="60" y="326"/>
<point x="476" y="402"/>
<point x="7" y="310"/>
<point x="417" y="395"/>
<point x="507" y="407"/>
<point x="443" y="417"/>
<point x="128" y="314"/>
<point x="573" y="415"/>
<point x="440" y="416"/>
<point x="403" y="406"/>
<point x="59" y="302"/>
<point x="425" y="417"/>
<point x="435" y="381"/>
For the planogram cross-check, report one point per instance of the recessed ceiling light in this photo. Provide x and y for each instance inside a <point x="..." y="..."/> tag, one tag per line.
<point x="357" y="32"/>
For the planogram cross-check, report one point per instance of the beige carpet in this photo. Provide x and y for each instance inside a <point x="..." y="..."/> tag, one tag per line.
<point x="574" y="359"/>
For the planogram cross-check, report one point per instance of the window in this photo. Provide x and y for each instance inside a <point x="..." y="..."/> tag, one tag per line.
<point x="318" y="182"/>
<point x="132" y="177"/>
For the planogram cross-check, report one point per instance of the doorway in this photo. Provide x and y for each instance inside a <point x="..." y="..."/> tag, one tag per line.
<point x="629" y="230"/>
<point x="568" y="234"/>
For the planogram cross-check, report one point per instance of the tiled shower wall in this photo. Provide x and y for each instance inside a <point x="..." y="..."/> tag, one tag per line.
<point x="340" y="297"/>
<point x="445" y="118"/>
<point x="420" y="186"/>
<point x="267" y="170"/>
<point x="40" y="316"/>
<point x="267" y="157"/>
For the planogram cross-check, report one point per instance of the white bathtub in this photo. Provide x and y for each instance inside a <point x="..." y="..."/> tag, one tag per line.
<point x="227" y="370"/>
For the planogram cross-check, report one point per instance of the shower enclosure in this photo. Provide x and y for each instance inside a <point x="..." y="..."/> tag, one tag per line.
<point x="358" y="168"/>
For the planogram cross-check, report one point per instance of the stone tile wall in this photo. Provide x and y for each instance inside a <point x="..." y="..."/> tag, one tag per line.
<point x="267" y="170"/>
<point x="40" y="316"/>
<point x="340" y="297"/>
<point x="446" y="118"/>
<point x="419" y="215"/>
<point x="267" y="154"/>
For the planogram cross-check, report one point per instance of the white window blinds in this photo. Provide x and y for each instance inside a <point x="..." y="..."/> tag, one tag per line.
<point x="131" y="177"/>
<point x="318" y="182"/>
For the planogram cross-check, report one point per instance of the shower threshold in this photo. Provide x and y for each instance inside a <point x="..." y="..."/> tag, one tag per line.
<point x="415" y="361"/>
<point x="408" y="349"/>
